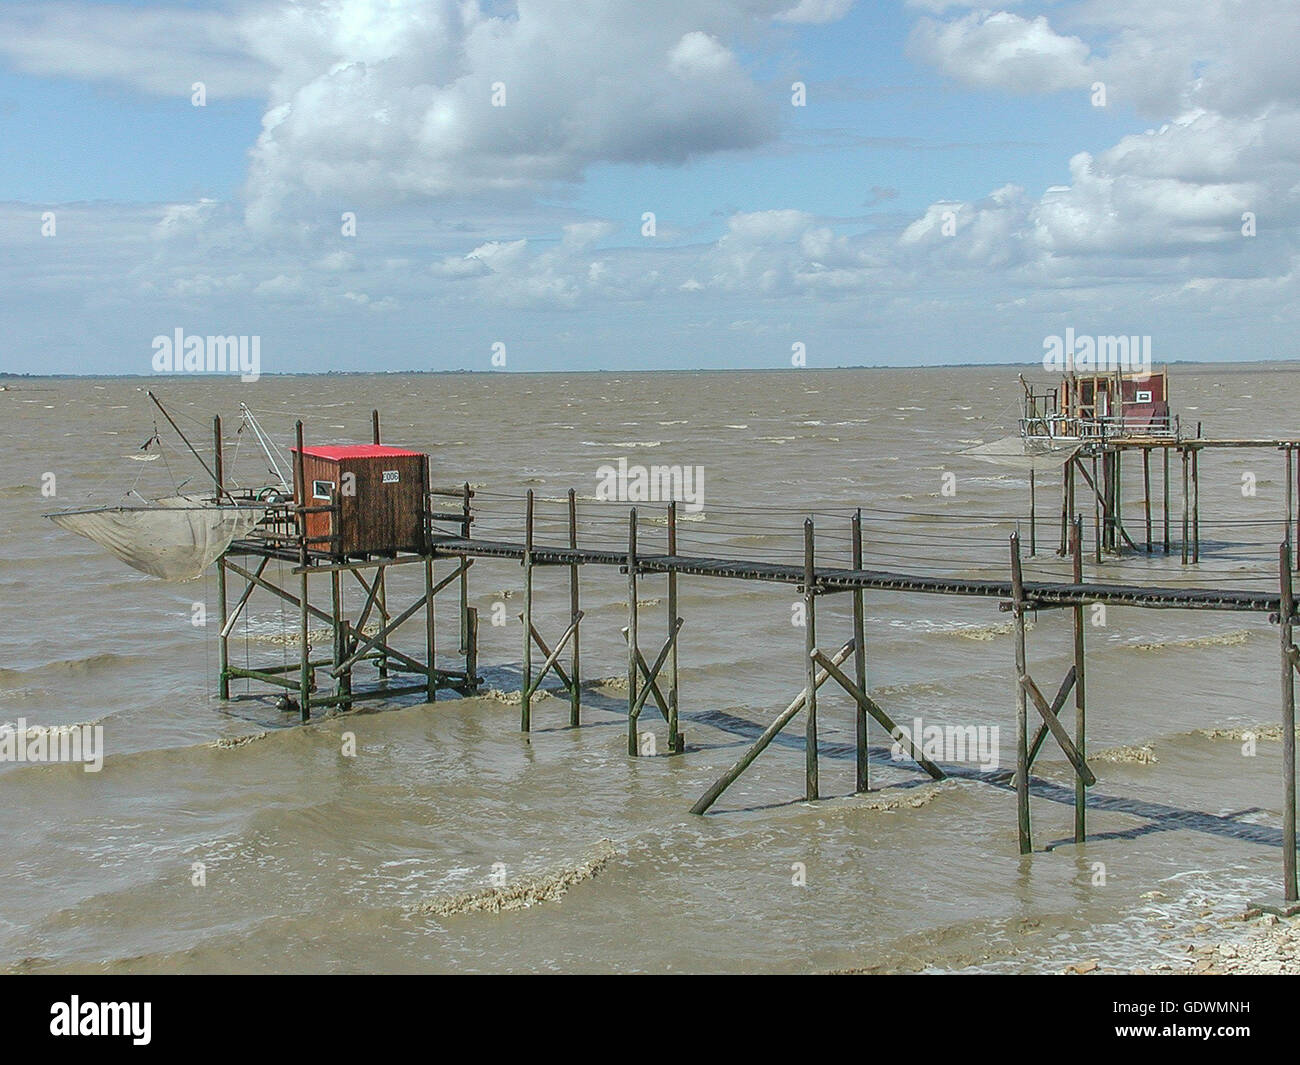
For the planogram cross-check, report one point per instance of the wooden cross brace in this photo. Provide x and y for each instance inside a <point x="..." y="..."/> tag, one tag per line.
<point x="406" y="660"/>
<point x="651" y="674"/>
<point x="870" y="706"/>
<point x="367" y="642"/>
<point x="243" y="599"/>
<point x="552" y="657"/>
<point x="1053" y="723"/>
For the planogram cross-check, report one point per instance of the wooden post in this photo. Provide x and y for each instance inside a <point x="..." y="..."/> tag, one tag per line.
<point x="223" y="640"/>
<point x="575" y="695"/>
<point x="632" y="647"/>
<point x="1117" y="498"/>
<point x="1165" y="508"/>
<point x="1107" y="506"/>
<point x="343" y="683"/>
<point x="1286" y="522"/>
<point x="381" y="603"/>
<point x="1289" y="666"/>
<point x="810" y="666"/>
<point x="674" y="735"/>
<point x="1033" y="519"/>
<point x="1065" y="507"/>
<point x="860" y="660"/>
<point x="471" y="652"/>
<point x="1196" y="502"/>
<point x="374" y="427"/>
<point x="431" y="688"/>
<point x="525" y="704"/>
<point x="465" y="522"/>
<point x="1080" y="702"/>
<point x="1186" y="516"/>
<point x="1022" y="706"/>
<point x="304" y="648"/>
<point x="1146" y="493"/>
<point x="1096" y="510"/>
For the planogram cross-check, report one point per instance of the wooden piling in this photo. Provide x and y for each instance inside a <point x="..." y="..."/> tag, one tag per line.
<point x="1096" y="511"/>
<point x="1107" y="501"/>
<point x="223" y="639"/>
<point x="1186" y="514"/>
<point x="1289" y="666"/>
<point x="575" y="693"/>
<point x="471" y="652"/>
<point x="1117" y="501"/>
<point x="1196" y="502"/>
<point x="1033" y="520"/>
<point x="1022" y="701"/>
<point x="633" y="648"/>
<point x="1165" y="507"/>
<point x="304" y="647"/>
<point x="343" y="682"/>
<point x="1286" y="521"/>
<point x="810" y="666"/>
<point x="1146" y="494"/>
<point x="863" y="718"/>
<point x="526" y="681"/>
<point x="674" y="735"/>
<point x="1062" y="546"/>
<point x="431" y="688"/>
<point x="1080" y="701"/>
<point x="466" y="520"/>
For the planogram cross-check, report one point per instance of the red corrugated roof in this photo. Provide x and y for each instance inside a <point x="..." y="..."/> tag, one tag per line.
<point x="359" y="451"/>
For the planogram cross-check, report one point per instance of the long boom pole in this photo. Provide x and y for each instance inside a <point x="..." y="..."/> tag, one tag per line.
<point x="171" y="421"/>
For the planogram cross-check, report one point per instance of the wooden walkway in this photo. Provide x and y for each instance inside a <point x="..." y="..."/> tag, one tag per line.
<point x="844" y="579"/>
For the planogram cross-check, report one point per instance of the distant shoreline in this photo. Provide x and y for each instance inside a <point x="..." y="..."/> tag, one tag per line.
<point x="1260" y="364"/>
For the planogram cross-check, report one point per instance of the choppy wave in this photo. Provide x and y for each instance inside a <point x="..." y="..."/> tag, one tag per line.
<point x="1223" y="639"/>
<point x="528" y="891"/>
<point x="72" y="667"/>
<point x="1143" y="754"/>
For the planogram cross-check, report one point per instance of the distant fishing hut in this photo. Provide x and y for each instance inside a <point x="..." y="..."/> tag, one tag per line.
<point x="1091" y="420"/>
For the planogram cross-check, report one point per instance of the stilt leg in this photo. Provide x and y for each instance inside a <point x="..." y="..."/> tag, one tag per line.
<point x="810" y="644"/>
<point x="1022" y="703"/>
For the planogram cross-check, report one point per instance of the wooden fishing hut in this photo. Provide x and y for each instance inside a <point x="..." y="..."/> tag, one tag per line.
<point x="356" y="512"/>
<point x="1105" y="416"/>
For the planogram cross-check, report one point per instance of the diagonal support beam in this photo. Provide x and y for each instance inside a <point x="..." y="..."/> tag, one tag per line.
<point x="652" y="674"/>
<point x="873" y="708"/>
<point x="410" y="663"/>
<point x="1062" y="694"/>
<point x="368" y="642"/>
<point x="769" y="734"/>
<point x="243" y="600"/>
<point x="541" y="643"/>
<point x="553" y="656"/>
<point x="655" y="691"/>
<point x="1105" y="509"/>
<point x="1058" y="730"/>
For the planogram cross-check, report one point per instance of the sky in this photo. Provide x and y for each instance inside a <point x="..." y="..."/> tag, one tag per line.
<point x="645" y="184"/>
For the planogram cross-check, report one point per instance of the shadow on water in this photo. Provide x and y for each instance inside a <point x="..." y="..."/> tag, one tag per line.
<point x="1158" y="817"/>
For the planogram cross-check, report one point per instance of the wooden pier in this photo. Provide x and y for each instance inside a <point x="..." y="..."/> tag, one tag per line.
<point x="289" y="536"/>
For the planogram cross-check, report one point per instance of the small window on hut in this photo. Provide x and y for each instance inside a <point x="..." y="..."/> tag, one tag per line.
<point x="322" y="489"/>
<point x="1143" y="396"/>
